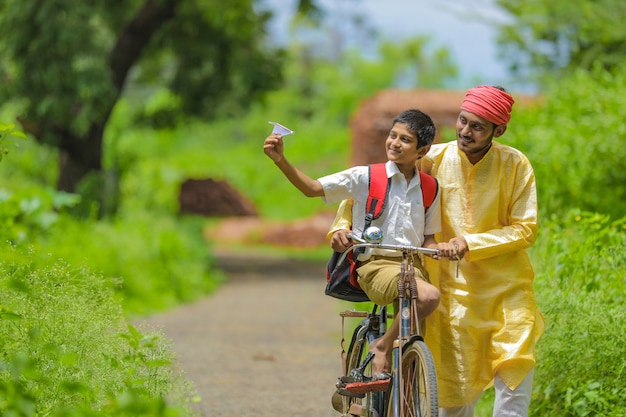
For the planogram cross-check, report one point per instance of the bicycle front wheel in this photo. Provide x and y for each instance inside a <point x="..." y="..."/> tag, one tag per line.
<point x="419" y="380"/>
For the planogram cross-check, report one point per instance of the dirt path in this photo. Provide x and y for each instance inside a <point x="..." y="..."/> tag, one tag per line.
<point x="266" y="344"/>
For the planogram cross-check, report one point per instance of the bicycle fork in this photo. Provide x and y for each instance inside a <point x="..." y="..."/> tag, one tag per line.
<point x="408" y="322"/>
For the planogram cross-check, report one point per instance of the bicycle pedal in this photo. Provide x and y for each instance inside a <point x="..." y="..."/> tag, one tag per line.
<point x="365" y="387"/>
<point x="346" y="393"/>
<point x="349" y="379"/>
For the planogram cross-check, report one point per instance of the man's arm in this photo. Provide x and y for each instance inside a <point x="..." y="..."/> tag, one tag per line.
<point x="520" y="233"/>
<point x="341" y="226"/>
<point x="274" y="148"/>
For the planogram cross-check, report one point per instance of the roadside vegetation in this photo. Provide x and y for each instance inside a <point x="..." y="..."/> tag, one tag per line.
<point x="74" y="275"/>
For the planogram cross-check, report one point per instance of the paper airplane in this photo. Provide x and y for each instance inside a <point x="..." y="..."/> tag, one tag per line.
<point x="278" y="128"/>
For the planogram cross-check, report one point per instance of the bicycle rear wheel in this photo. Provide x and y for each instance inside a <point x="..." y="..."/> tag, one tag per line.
<point x="371" y="404"/>
<point x="419" y="380"/>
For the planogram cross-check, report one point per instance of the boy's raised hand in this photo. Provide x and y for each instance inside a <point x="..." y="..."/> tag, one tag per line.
<point x="273" y="147"/>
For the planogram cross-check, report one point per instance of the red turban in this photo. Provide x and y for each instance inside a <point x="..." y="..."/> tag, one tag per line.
<point x="490" y="103"/>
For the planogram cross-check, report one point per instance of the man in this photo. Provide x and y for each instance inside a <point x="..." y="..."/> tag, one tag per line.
<point x="484" y="331"/>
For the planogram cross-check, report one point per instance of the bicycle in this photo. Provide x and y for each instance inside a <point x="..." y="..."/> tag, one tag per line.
<point x="412" y="389"/>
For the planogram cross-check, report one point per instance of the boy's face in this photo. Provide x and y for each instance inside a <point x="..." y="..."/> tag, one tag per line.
<point x="401" y="146"/>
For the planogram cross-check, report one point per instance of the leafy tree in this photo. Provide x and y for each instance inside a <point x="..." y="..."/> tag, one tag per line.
<point x="67" y="64"/>
<point x="555" y="35"/>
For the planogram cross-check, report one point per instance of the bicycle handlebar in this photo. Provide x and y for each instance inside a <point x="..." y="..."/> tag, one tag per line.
<point x="362" y="243"/>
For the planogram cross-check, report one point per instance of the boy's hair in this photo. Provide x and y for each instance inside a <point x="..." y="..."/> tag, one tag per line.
<point x="418" y="123"/>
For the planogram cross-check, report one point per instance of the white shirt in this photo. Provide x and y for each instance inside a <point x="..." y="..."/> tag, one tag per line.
<point x="403" y="220"/>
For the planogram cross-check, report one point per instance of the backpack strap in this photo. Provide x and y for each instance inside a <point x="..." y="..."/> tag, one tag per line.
<point x="378" y="191"/>
<point x="430" y="187"/>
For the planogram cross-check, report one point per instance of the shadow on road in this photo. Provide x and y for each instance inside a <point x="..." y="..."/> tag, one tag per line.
<point x="240" y="266"/>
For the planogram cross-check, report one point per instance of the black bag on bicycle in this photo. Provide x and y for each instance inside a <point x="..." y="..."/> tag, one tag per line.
<point x="342" y="279"/>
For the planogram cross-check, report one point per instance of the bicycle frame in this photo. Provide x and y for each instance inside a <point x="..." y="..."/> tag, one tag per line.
<point x="408" y="314"/>
<point x="409" y="326"/>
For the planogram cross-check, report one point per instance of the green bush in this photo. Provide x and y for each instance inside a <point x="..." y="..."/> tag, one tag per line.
<point x="68" y="351"/>
<point x="28" y="214"/>
<point x="581" y="276"/>
<point x="575" y="142"/>
<point x="159" y="262"/>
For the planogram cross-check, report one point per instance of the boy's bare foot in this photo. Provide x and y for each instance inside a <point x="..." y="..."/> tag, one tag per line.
<point x="382" y="357"/>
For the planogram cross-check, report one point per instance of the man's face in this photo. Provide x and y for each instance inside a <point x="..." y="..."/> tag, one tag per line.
<point x="474" y="135"/>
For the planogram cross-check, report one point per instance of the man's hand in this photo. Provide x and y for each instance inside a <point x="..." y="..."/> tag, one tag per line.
<point x="341" y="241"/>
<point x="454" y="249"/>
<point x="460" y="246"/>
<point x="446" y="250"/>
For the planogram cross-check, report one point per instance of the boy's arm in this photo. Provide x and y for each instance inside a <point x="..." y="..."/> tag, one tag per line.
<point x="429" y="242"/>
<point x="273" y="148"/>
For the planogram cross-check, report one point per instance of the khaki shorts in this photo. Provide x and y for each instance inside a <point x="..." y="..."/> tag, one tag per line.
<point x="378" y="277"/>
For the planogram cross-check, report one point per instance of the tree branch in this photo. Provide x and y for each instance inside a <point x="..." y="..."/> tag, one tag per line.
<point x="136" y="35"/>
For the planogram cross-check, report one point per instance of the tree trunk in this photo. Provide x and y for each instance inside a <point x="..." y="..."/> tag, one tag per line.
<point x="81" y="156"/>
<point x="78" y="157"/>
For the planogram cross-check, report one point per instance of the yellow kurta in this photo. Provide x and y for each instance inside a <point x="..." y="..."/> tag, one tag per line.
<point x="487" y="321"/>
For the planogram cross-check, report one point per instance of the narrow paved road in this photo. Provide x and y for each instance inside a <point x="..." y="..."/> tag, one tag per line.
<point x="265" y="344"/>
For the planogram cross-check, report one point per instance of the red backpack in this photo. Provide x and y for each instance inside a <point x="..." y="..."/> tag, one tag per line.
<point x="341" y="280"/>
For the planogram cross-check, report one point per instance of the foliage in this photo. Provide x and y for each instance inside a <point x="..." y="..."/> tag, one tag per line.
<point x="72" y="52"/>
<point x="27" y="214"/>
<point x="575" y="142"/>
<point x="67" y="350"/>
<point x="412" y="63"/>
<point x="7" y="134"/>
<point x="160" y="262"/>
<point x="547" y="36"/>
<point x="66" y="65"/>
<point x="581" y="358"/>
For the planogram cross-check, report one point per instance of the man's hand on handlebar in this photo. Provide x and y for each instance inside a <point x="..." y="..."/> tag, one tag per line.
<point x="341" y="241"/>
<point x="460" y="245"/>
<point x="454" y="249"/>
<point x="446" y="250"/>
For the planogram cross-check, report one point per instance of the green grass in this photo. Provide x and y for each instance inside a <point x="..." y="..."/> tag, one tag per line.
<point x="581" y="274"/>
<point x="68" y="350"/>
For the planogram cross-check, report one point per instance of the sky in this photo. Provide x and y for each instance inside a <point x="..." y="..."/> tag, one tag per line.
<point x="461" y="28"/>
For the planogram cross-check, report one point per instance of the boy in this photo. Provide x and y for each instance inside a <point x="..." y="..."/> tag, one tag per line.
<point x="404" y="220"/>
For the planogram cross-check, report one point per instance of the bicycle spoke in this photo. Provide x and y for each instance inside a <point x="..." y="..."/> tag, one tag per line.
<point x="419" y="382"/>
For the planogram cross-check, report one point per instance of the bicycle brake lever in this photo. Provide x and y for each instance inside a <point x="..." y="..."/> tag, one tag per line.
<point x="356" y="238"/>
